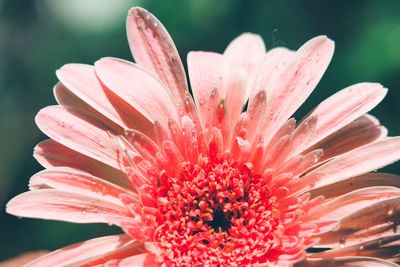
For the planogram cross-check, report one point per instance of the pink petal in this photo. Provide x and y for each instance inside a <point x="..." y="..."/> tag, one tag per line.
<point x="356" y="162"/>
<point x="138" y="88"/>
<point x="73" y="181"/>
<point x="353" y="201"/>
<point x="384" y="248"/>
<point x="301" y="135"/>
<point x="81" y="253"/>
<point x="73" y="103"/>
<point x="346" y="262"/>
<point x="140" y="260"/>
<point x="246" y="51"/>
<point x="298" y="81"/>
<point x="208" y="71"/>
<point x="236" y="96"/>
<point x="270" y="70"/>
<point x="364" y="130"/>
<point x="344" y="107"/>
<point x="148" y="149"/>
<point x="79" y="135"/>
<point x="55" y="204"/>
<point x="256" y="113"/>
<point x="52" y="154"/>
<point x="190" y="139"/>
<point x="153" y="48"/>
<point x="354" y="183"/>
<point x="372" y="220"/>
<point x="82" y="81"/>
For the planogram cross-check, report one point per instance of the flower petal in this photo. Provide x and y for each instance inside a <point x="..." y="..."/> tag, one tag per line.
<point x="346" y="261"/>
<point x="246" y="51"/>
<point x="79" y="135"/>
<point x="208" y="72"/>
<point x="73" y="181"/>
<point x="364" y="130"/>
<point x="353" y="201"/>
<point x="297" y="81"/>
<point x="235" y="96"/>
<point x="384" y="248"/>
<point x="344" y="107"/>
<point x="140" y="260"/>
<point x="82" y="81"/>
<point x="274" y="63"/>
<point x="79" y="254"/>
<point x="153" y="48"/>
<point x="368" y="222"/>
<point x="73" y="103"/>
<point x="52" y="154"/>
<point x="354" y="183"/>
<point x="356" y="162"/>
<point x="138" y="88"/>
<point x="55" y="204"/>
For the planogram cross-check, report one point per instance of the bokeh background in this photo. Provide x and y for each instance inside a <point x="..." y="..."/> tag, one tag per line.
<point x="38" y="37"/>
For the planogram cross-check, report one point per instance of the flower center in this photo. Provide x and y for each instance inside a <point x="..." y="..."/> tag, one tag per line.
<point x="216" y="212"/>
<point x="220" y="221"/>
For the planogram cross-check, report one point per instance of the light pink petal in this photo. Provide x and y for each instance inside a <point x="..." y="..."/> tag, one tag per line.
<point x="55" y="204"/>
<point x="298" y="81"/>
<point x="235" y="96"/>
<point x="82" y="81"/>
<point x="354" y="183"/>
<point x="256" y="113"/>
<point x="208" y="71"/>
<point x="344" y="107"/>
<point x="153" y="48"/>
<point x="384" y="248"/>
<point x="346" y="262"/>
<point x="190" y="139"/>
<point x="147" y="149"/>
<point x="356" y="162"/>
<point x="79" y="135"/>
<point x="73" y="103"/>
<point x="74" y="181"/>
<point x="140" y="260"/>
<point x="286" y="130"/>
<point x="364" y="130"/>
<point x="81" y="253"/>
<point x="274" y="63"/>
<point x="138" y="88"/>
<point x="246" y="51"/>
<point x="277" y="153"/>
<point x="370" y="221"/>
<point x="353" y="201"/>
<point x="301" y="135"/>
<point x="52" y="154"/>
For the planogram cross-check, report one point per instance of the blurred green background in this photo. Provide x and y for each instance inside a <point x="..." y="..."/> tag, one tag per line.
<point x="38" y="37"/>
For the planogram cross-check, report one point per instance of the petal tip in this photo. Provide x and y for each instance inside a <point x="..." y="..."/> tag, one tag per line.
<point x="137" y="10"/>
<point x="323" y="40"/>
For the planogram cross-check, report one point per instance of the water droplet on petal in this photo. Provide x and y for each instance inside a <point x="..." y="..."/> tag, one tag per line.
<point x="342" y="242"/>
<point x="390" y="212"/>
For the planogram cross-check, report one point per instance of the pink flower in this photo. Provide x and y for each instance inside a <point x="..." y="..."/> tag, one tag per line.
<point x="197" y="181"/>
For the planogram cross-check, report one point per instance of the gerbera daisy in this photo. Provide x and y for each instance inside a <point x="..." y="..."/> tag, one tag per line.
<point x="222" y="176"/>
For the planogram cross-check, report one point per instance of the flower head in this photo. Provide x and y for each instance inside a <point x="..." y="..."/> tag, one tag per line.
<point x="223" y="178"/>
